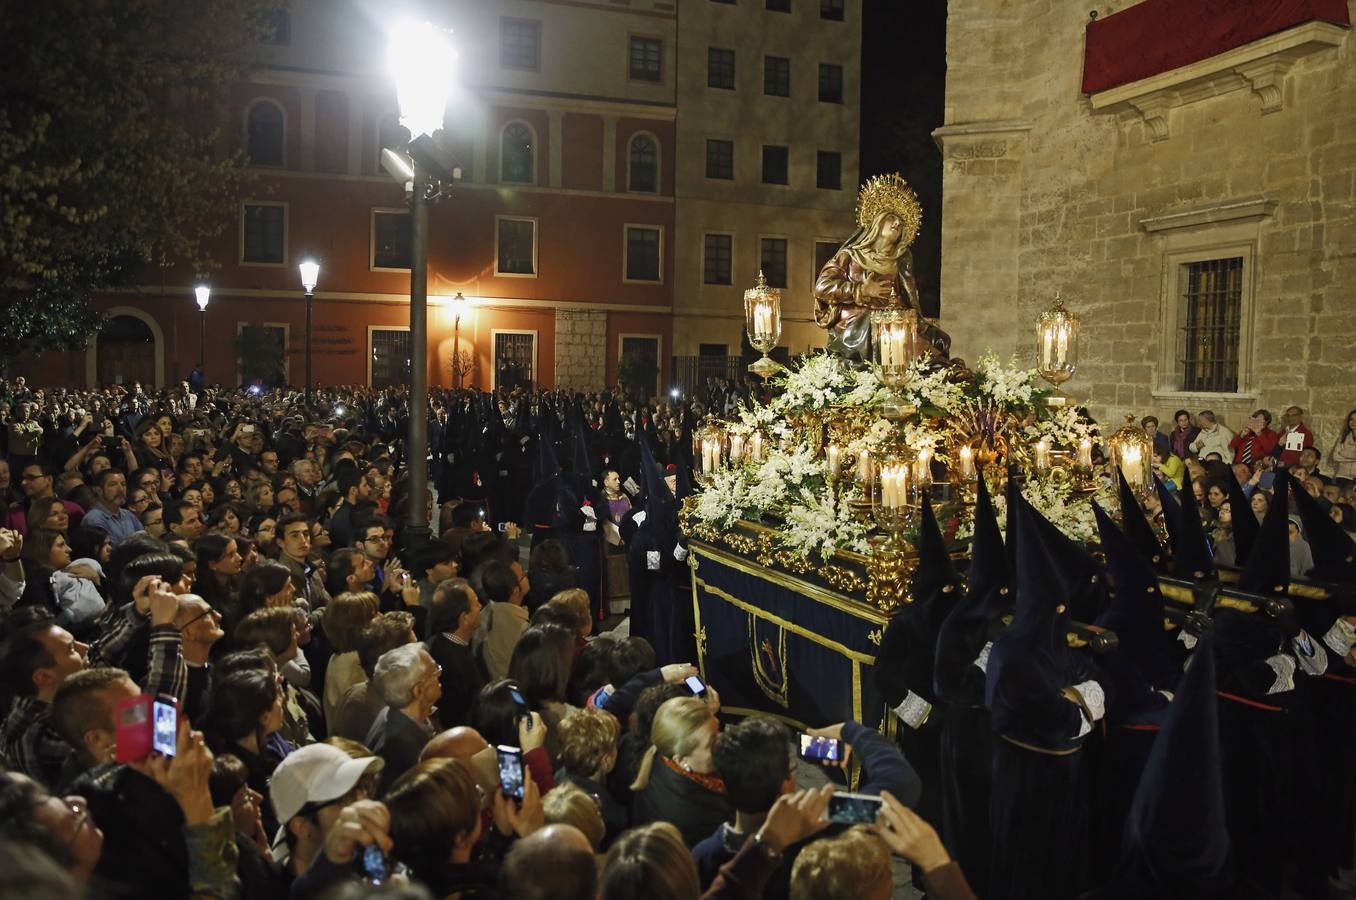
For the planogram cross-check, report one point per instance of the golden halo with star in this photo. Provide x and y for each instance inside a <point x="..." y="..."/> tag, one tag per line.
<point x="890" y="193"/>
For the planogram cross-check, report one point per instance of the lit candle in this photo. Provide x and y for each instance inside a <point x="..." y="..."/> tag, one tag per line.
<point x="1046" y="340"/>
<point x="833" y="461"/>
<point x="967" y="462"/>
<point x="708" y="456"/>
<point x="1042" y="454"/>
<point x="762" y="322"/>
<point x="736" y="447"/>
<point x="1062" y="346"/>
<point x="1085" y="453"/>
<point x="756" y="446"/>
<point x="1132" y="464"/>
<point x="863" y="466"/>
<point x="923" y="473"/>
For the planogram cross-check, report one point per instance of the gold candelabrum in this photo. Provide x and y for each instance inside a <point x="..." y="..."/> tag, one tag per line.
<point x="1057" y="349"/>
<point x="892" y="484"/>
<point x="1131" y="450"/>
<point x="894" y="347"/>
<point x="763" y="322"/>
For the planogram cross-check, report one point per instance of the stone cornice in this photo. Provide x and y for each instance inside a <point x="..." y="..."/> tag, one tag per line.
<point x="1241" y="209"/>
<point x="1260" y="66"/>
<point x="977" y="131"/>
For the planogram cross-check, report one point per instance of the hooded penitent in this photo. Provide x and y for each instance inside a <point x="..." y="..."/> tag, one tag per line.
<point x="1176" y="846"/>
<point x="1191" y="556"/>
<point x="975" y="617"/>
<point x="1143" y="660"/>
<point x="904" y="664"/>
<point x="1137" y="527"/>
<point x="1244" y="525"/>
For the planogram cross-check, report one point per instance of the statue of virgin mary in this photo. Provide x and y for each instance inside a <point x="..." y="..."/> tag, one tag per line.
<point x="873" y="270"/>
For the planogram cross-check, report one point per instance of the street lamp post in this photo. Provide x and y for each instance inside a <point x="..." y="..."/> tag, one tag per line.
<point x="458" y="305"/>
<point x="202" y="293"/>
<point x="310" y="275"/>
<point x="420" y="57"/>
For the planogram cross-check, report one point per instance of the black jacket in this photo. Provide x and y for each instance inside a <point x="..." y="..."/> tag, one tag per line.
<point x="693" y="809"/>
<point x="462" y="679"/>
<point x="399" y="740"/>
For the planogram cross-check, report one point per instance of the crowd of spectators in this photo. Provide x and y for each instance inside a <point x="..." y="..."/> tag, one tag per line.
<point x="350" y="704"/>
<point x="1206" y="457"/>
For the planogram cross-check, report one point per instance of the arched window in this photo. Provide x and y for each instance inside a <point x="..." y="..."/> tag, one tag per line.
<point x="390" y="134"/>
<point x="643" y="164"/>
<point x="265" y="129"/>
<point x="517" y="154"/>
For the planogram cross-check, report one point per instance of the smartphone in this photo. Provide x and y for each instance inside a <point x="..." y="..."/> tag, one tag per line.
<point x="600" y="698"/>
<point x="853" y="809"/>
<point x="510" y="771"/>
<point x="145" y="724"/>
<point x="696" y="686"/>
<point x="521" y="702"/>
<point x="502" y="526"/>
<point x="826" y="751"/>
<point x="374" y="865"/>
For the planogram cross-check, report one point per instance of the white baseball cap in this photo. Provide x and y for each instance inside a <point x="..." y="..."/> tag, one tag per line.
<point x="317" y="773"/>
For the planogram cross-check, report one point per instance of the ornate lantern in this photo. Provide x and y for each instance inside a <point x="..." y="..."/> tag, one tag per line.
<point x="1132" y="451"/>
<point x="708" y="448"/>
<point x="894" y="343"/>
<point x="763" y="322"/>
<point x="1057" y="348"/>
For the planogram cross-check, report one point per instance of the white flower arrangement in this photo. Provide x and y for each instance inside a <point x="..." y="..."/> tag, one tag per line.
<point x="1062" y="427"/>
<point x="819" y="527"/>
<point x="1010" y="385"/>
<point x="818" y="382"/>
<point x="926" y="387"/>
<point x="1072" y="514"/>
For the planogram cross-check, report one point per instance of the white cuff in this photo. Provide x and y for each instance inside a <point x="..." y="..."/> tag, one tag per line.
<point x="1093" y="697"/>
<point x="630" y="486"/>
<point x="1187" y="638"/>
<point x="680" y="552"/>
<point x="588" y="512"/>
<point x="1168" y="694"/>
<point x="913" y="710"/>
<point x="982" y="661"/>
<point x="590" y="525"/>
<point x="1340" y="637"/>
<point x="1283" y="664"/>
<point x="638" y="517"/>
<point x="1312" y="658"/>
<point x="652" y="560"/>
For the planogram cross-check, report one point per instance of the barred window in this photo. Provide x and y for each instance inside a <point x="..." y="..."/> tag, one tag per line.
<point x="776" y="76"/>
<point x="391" y="358"/>
<point x="830" y="83"/>
<point x="720" y="68"/>
<point x="519" y="44"/>
<point x="719" y="159"/>
<point x="831" y="9"/>
<point x="772" y="259"/>
<point x="516" y="247"/>
<point x="1210" y="307"/>
<point x="647" y="59"/>
<point x="717" y="259"/>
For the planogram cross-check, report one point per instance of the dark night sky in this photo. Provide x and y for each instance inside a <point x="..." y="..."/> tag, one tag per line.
<point x="903" y="90"/>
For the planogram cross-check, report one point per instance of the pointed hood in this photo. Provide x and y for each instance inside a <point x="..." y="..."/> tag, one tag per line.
<point x="1268" y="568"/>
<point x="1245" y="524"/>
<point x="1175" y="842"/>
<point x="1334" y="552"/>
<point x="1190" y="553"/>
<point x="1036" y="641"/>
<point x="935" y="569"/>
<point x="682" y="463"/>
<point x="659" y="500"/>
<point x="1084" y="577"/>
<point x="1136" y="610"/>
<point x="1137" y="528"/>
<point x="581" y="466"/>
<point x="547" y="466"/>
<point x="976" y="613"/>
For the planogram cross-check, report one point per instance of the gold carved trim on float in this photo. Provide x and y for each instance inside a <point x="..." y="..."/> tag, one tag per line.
<point x="890" y="194"/>
<point x="804" y="588"/>
<point x="855" y="655"/>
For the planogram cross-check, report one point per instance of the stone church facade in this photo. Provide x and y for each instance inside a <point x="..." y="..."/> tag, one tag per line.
<point x="1201" y="218"/>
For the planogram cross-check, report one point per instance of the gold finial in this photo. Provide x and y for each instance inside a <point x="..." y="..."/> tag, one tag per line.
<point x="892" y="194"/>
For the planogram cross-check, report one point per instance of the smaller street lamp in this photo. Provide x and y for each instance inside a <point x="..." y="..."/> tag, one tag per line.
<point x="458" y="304"/>
<point x="310" y="275"/>
<point x="202" y="293"/>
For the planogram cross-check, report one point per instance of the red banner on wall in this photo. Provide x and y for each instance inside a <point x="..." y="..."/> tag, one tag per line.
<point x="1160" y="35"/>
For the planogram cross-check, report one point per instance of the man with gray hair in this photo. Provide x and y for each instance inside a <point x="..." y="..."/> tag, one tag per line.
<point x="1214" y="438"/>
<point x="407" y="680"/>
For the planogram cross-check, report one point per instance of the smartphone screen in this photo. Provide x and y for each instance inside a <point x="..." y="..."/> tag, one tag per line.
<point x="502" y="526"/>
<point x="601" y="697"/>
<point x="696" y="686"/>
<point x="510" y="771"/>
<point x="374" y="865"/>
<point x="824" y="750"/>
<point x="853" y="809"/>
<point x="165" y="722"/>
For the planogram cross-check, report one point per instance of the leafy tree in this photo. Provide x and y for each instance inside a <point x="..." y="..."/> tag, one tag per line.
<point x="110" y="150"/>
